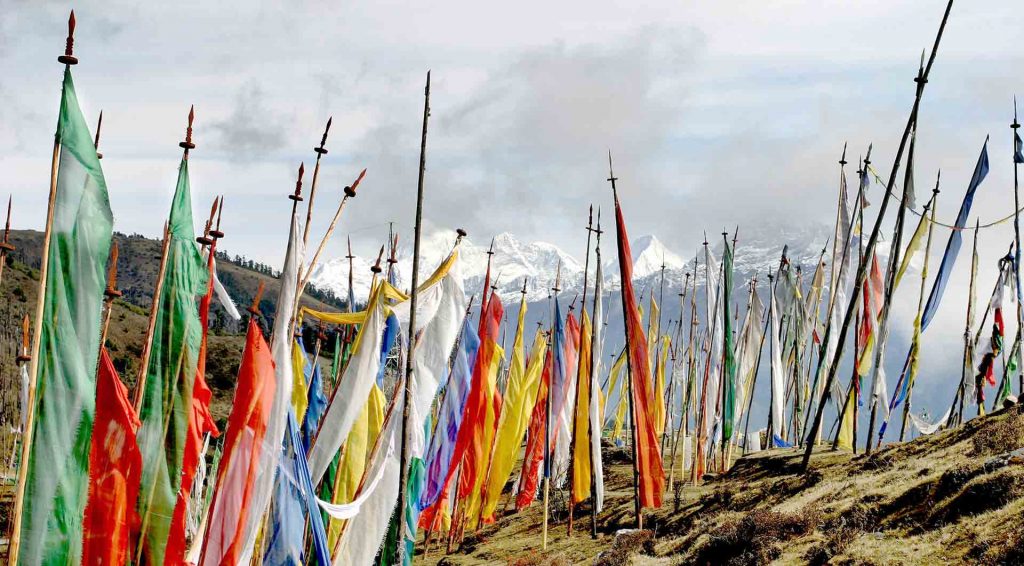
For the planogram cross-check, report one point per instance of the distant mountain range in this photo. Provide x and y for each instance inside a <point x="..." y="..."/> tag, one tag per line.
<point x="757" y="251"/>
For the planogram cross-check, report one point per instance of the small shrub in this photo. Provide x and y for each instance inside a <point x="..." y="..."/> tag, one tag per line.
<point x="757" y="537"/>
<point x="999" y="436"/>
<point x="626" y="544"/>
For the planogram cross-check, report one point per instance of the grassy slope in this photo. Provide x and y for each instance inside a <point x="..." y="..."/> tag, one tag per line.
<point x="947" y="498"/>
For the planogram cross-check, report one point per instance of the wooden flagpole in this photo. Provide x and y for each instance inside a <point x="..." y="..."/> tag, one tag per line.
<point x="350" y="192"/>
<point x="26" y="444"/>
<point x="1017" y="238"/>
<point x="682" y="413"/>
<point x="320" y="152"/>
<point x="547" y="411"/>
<point x="6" y="246"/>
<point x="882" y="326"/>
<point x="110" y="294"/>
<point x="593" y="378"/>
<point x="757" y="367"/>
<point x="629" y="375"/>
<point x="920" y="298"/>
<point x="921" y="80"/>
<point x="834" y="283"/>
<point x="579" y="375"/>
<point x="407" y="390"/>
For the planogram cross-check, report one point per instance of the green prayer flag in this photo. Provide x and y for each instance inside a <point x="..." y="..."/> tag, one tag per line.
<point x="170" y="374"/>
<point x="729" y="371"/>
<point x="57" y="478"/>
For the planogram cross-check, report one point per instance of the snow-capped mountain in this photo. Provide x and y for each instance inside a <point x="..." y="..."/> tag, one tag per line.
<point x="757" y="250"/>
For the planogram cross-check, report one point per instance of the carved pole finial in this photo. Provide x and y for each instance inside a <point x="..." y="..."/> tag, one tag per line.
<point x="376" y="266"/>
<point x="323" y="141"/>
<point x="111" y="292"/>
<point x="350" y="191"/>
<point x="187" y="144"/>
<point x="216" y="234"/>
<point x="297" y="195"/>
<point x="68" y="58"/>
<point x="254" y="308"/>
<point x="96" y="140"/>
<point x="24" y="356"/>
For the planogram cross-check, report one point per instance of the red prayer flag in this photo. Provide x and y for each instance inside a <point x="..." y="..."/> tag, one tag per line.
<point x="535" y="441"/>
<point x="646" y="446"/>
<point x="247" y="425"/>
<point x="467" y="443"/>
<point x="200" y="423"/>
<point x="115" y="468"/>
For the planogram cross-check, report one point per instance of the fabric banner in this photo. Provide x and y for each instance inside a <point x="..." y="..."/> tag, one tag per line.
<point x="534" y="454"/>
<point x="56" y="484"/>
<point x="170" y="377"/>
<point x="436" y="334"/>
<point x="200" y="427"/>
<point x="295" y="504"/>
<point x="648" y="454"/>
<point x="520" y="397"/>
<point x="595" y="406"/>
<point x="580" y="489"/>
<point x="955" y="239"/>
<point x="438" y="458"/>
<point x="115" y="467"/>
<point x="280" y="350"/>
<point x="230" y="507"/>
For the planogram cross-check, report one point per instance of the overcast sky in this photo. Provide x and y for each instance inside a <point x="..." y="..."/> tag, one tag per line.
<point x="718" y="113"/>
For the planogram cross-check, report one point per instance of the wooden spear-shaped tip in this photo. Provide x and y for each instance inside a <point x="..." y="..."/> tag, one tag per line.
<point x="350" y="191"/>
<point x="205" y="239"/>
<point x="96" y="140"/>
<point x="111" y="291"/>
<point x="23" y="357"/>
<point x="68" y="58"/>
<point x="5" y="245"/>
<point x="187" y="144"/>
<point x="393" y="255"/>
<point x="350" y="256"/>
<point x="524" y="286"/>
<point x="254" y="308"/>
<point x="490" y="250"/>
<point x="376" y="266"/>
<point x="297" y="195"/>
<point x="323" y="140"/>
<point x="216" y="233"/>
<point x="842" y="160"/>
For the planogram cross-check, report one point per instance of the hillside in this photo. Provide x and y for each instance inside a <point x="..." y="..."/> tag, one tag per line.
<point x="956" y="497"/>
<point x="138" y="265"/>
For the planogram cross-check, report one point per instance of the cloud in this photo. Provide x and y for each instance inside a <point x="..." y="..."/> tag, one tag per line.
<point x="253" y="129"/>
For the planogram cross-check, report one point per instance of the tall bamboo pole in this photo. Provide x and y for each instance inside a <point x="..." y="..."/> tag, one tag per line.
<point x="921" y="80"/>
<point x="920" y="303"/>
<point x="593" y="378"/>
<point x="1018" y="158"/>
<point x="26" y="444"/>
<point x="6" y="246"/>
<point x="407" y="390"/>
<point x="882" y="329"/>
<point x="629" y="375"/>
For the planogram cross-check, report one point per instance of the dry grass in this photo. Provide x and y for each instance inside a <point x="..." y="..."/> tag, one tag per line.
<point x="943" y="499"/>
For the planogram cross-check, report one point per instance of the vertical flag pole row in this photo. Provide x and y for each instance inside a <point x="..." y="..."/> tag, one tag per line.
<point x="920" y="80"/>
<point x="67" y="59"/>
<point x="1018" y="158"/>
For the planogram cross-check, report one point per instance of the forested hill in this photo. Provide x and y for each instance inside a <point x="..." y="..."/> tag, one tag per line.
<point x="138" y="264"/>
